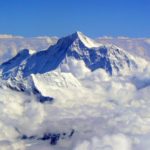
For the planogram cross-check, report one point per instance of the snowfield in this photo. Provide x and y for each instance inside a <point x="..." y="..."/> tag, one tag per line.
<point x="76" y="95"/>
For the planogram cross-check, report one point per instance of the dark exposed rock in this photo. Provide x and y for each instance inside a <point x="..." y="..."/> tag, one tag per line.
<point x="53" y="138"/>
<point x="44" y="99"/>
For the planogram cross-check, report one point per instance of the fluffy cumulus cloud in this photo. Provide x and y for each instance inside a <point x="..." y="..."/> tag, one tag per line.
<point x="108" y="142"/>
<point x="100" y="113"/>
<point x="77" y="68"/>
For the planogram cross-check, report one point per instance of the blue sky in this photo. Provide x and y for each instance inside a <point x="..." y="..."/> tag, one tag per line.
<point x="61" y="17"/>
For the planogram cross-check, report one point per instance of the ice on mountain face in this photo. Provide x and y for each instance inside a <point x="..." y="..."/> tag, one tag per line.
<point x="86" y="40"/>
<point x="49" y="83"/>
<point x="110" y="58"/>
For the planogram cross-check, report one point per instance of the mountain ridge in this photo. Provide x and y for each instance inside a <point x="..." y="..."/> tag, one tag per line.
<point x="76" y="47"/>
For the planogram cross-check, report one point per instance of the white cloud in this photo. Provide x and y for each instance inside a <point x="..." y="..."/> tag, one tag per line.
<point x="8" y="36"/>
<point x="108" y="142"/>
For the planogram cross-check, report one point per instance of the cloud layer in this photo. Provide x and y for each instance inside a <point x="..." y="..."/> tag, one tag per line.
<point x="106" y="113"/>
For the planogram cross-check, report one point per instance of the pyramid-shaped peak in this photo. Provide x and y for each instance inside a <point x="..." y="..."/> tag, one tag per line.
<point x="77" y="35"/>
<point x="88" y="42"/>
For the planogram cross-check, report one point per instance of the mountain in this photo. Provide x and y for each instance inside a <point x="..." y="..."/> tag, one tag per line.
<point x="61" y="66"/>
<point x="75" y="47"/>
<point x="76" y="91"/>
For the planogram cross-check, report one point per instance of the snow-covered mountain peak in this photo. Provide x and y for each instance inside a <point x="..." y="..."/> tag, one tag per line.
<point x="69" y="51"/>
<point x="78" y="34"/>
<point x="78" y="38"/>
<point x="88" y="42"/>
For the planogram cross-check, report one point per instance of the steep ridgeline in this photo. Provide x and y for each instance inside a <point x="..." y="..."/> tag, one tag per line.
<point x="76" y="47"/>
